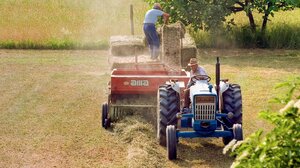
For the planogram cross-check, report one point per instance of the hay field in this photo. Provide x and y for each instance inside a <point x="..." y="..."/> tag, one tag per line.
<point x="50" y="117"/>
<point x="77" y="20"/>
<point x="88" y="24"/>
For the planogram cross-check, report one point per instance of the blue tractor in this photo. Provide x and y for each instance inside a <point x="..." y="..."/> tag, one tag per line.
<point x="215" y="111"/>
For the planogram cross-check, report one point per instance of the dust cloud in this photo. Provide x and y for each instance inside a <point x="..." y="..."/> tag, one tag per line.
<point x="109" y="18"/>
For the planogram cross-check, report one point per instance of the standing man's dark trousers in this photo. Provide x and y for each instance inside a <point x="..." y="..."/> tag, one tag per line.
<point x="152" y="39"/>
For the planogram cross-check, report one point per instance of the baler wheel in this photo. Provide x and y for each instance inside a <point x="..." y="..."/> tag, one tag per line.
<point x="232" y="102"/>
<point x="104" y="114"/>
<point x="238" y="132"/>
<point x="107" y="123"/>
<point x="171" y="142"/>
<point x="168" y="106"/>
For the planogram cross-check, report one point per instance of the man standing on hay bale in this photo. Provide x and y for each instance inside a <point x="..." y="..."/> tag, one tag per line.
<point x="150" y="29"/>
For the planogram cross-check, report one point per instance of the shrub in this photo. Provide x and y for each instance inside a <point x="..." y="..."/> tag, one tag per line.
<point x="281" y="146"/>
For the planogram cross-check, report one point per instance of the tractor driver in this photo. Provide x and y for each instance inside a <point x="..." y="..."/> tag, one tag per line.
<point x="150" y="29"/>
<point x="195" y="70"/>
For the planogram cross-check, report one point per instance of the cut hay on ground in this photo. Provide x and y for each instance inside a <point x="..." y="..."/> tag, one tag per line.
<point x="132" y="131"/>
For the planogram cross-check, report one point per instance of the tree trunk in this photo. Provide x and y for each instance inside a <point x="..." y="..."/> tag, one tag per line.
<point x="263" y="41"/>
<point x="264" y="24"/>
<point x="266" y="16"/>
<point x="251" y="20"/>
<point x="250" y="17"/>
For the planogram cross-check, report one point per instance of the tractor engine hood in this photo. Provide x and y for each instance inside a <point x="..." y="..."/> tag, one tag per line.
<point x="202" y="87"/>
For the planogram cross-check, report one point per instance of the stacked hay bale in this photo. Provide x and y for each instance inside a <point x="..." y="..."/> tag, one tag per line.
<point x="125" y="49"/>
<point x="177" y="45"/>
<point x="126" y="45"/>
<point x="188" y="50"/>
<point x="171" y="44"/>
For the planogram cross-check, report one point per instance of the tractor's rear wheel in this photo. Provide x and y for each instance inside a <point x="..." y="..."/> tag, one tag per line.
<point x="171" y="142"/>
<point x="168" y="105"/>
<point x="232" y="102"/>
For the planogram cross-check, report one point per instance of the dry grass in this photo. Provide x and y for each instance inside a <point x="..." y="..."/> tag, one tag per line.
<point x="82" y="21"/>
<point x="49" y="110"/>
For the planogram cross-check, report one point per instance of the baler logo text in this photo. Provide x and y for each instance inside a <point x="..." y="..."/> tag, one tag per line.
<point x="139" y="83"/>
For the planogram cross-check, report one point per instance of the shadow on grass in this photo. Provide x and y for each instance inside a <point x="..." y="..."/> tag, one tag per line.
<point x="202" y="153"/>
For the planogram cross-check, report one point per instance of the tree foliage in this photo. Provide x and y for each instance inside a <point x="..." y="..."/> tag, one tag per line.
<point x="268" y="7"/>
<point x="200" y="14"/>
<point x="210" y="14"/>
<point x="281" y="146"/>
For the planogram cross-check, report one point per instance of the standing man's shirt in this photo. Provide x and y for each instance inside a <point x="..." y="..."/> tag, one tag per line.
<point x="152" y="15"/>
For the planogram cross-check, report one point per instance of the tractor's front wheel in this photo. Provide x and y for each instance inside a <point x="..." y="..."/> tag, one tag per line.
<point x="168" y="105"/>
<point x="226" y="140"/>
<point x="237" y="132"/>
<point x="171" y="142"/>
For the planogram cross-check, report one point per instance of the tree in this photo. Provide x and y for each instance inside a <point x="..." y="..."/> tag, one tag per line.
<point x="209" y="14"/>
<point x="268" y="7"/>
<point x="200" y="14"/>
<point x="281" y="146"/>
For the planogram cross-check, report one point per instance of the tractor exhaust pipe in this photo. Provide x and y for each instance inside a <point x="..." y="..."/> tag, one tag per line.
<point x="218" y="77"/>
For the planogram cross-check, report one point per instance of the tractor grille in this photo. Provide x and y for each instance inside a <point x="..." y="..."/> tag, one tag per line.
<point x="205" y="110"/>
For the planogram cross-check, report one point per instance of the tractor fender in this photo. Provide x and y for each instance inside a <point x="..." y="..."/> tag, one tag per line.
<point x="223" y="86"/>
<point x="176" y="85"/>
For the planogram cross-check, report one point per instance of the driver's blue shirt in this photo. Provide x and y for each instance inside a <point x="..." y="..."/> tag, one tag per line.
<point x="199" y="71"/>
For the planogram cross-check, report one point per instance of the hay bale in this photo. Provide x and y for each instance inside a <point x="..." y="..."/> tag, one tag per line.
<point x="120" y="62"/>
<point x="171" y="44"/>
<point x="177" y="45"/>
<point x="188" y="50"/>
<point x="126" y="45"/>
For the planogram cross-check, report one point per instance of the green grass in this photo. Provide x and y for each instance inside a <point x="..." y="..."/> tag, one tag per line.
<point x="50" y="109"/>
<point x="283" y="31"/>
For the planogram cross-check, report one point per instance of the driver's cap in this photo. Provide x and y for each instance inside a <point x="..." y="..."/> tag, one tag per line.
<point x="193" y="61"/>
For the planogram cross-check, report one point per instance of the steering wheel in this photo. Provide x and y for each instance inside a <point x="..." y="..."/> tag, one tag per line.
<point x="200" y="77"/>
